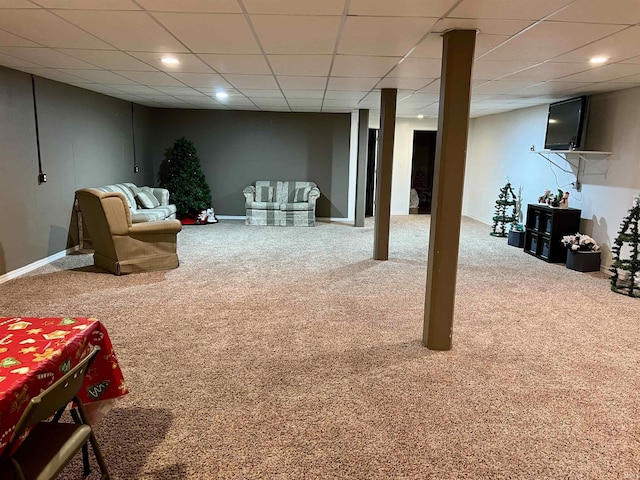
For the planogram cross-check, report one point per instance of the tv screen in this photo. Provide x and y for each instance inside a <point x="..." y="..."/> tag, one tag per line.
<point x="565" y="124"/>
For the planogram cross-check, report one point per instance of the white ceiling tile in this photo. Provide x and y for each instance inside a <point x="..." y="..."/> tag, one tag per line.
<point x="98" y="87"/>
<point x="547" y="40"/>
<point x="282" y="34"/>
<point x="171" y="90"/>
<point x="14" y="62"/>
<point x="271" y="102"/>
<point x="211" y="33"/>
<point x="597" y="11"/>
<point x="400" y="8"/>
<point x="424" y="97"/>
<point x="45" y="28"/>
<point x="154" y="79"/>
<point x="484" y="43"/>
<point x="201" y="80"/>
<point x="418" y="68"/>
<point x="632" y="79"/>
<point x="101" y="76"/>
<point x="237" y="101"/>
<point x="341" y="83"/>
<point x="211" y="91"/>
<point x="262" y="93"/>
<point x="485" y="26"/>
<point x="139" y="90"/>
<point x="56" y="75"/>
<point x="202" y="6"/>
<point x="252" y="81"/>
<point x="547" y="88"/>
<point x="430" y="47"/>
<point x="290" y="82"/>
<point x="619" y="46"/>
<point x="404" y="83"/>
<point x="307" y="65"/>
<point x="489" y="70"/>
<point x="295" y="7"/>
<point x="108" y="59"/>
<point x="433" y="87"/>
<point x="17" y="4"/>
<point x="304" y="94"/>
<point x="382" y="36"/>
<point x="45" y="57"/>
<point x="238" y="64"/>
<point x="345" y="95"/>
<point x="189" y="63"/>
<point x="507" y="9"/>
<point x="605" y="73"/>
<point x="362" y="66"/>
<point x="549" y="71"/>
<point x="10" y="40"/>
<point x="135" y="31"/>
<point x="89" y="4"/>
<point x="343" y="103"/>
<point x="505" y="86"/>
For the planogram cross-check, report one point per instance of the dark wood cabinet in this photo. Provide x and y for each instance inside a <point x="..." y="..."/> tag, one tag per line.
<point x="545" y="227"/>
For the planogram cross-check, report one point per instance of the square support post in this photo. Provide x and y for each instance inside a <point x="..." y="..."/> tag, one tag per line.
<point x="451" y="149"/>
<point x="384" y="169"/>
<point x="361" y="175"/>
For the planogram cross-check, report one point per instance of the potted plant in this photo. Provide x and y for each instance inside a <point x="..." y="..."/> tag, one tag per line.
<point x="583" y="253"/>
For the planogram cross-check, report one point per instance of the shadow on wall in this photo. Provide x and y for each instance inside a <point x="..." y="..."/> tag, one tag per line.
<point x="58" y="239"/>
<point x="73" y="235"/>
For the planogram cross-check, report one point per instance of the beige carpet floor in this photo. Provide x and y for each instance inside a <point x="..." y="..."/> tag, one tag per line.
<point x="289" y="353"/>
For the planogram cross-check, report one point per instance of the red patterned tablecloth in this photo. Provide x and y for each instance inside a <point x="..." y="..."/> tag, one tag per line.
<point x="35" y="352"/>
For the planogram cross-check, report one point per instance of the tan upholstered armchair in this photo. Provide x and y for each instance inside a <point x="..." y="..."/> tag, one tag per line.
<point x="121" y="246"/>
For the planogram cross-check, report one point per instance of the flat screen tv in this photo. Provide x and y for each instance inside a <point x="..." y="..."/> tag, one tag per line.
<point x="565" y="124"/>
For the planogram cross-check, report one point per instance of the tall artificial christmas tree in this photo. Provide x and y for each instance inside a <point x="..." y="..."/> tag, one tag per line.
<point x="506" y="199"/>
<point x="181" y="174"/>
<point x="628" y="236"/>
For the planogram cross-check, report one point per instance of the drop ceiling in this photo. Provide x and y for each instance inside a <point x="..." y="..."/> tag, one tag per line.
<point x="322" y="55"/>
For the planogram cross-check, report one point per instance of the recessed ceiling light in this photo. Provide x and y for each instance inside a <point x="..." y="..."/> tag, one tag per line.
<point x="420" y="116"/>
<point x="220" y="95"/>
<point x="170" y="60"/>
<point x="598" y="59"/>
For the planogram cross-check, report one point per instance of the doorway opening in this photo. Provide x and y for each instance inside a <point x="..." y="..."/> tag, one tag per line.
<point x="422" y="164"/>
<point x="372" y="147"/>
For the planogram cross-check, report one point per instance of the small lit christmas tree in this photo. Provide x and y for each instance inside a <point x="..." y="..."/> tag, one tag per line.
<point x="181" y="174"/>
<point x="502" y="218"/>
<point x="628" y="235"/>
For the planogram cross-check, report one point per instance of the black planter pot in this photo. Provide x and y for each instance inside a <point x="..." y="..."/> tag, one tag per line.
<point x="583" y="261"/>
<point x="516" y="239"/>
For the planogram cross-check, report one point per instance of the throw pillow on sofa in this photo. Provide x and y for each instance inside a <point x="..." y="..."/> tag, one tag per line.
<point x="300" y="194"/>
<point x="146" y="200"/>
<point x="264" y="194"/>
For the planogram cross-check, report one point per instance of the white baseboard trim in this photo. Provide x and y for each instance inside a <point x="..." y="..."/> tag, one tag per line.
<point x="321" y="219"/>
<point x="37" y="264"/>
<point x="478" y="219"/>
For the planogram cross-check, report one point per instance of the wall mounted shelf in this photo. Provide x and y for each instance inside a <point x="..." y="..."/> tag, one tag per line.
<point x="579" y="160"/>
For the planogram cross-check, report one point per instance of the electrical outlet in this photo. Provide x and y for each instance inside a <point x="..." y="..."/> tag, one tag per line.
<point x="136" y="169"/>
<point x="42" y="178"/>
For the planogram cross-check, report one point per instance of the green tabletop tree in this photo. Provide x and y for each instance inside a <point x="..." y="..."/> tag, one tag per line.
<point x="628" y="237"/>
<point x="501" y="218"/>
<point x="181" y="174"/>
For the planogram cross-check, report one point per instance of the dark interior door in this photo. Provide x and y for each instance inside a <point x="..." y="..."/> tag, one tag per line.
<point x="423" y="161"/>
<point x="371" y="170"/>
